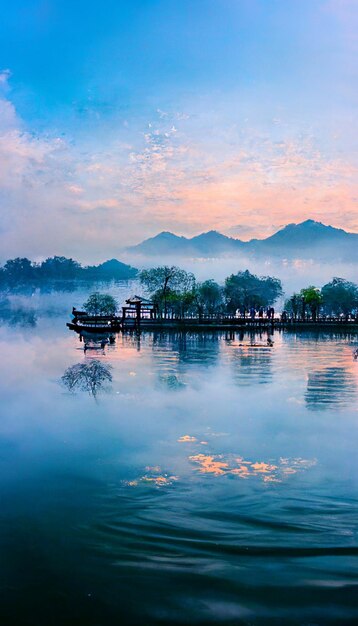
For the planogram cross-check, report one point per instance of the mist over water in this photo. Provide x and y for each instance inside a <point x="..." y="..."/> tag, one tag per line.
<point x="213" y="480"/>
<point x="294" y="274"/>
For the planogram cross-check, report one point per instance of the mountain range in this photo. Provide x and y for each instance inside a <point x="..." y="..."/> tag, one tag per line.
<point x="306" y="240"/>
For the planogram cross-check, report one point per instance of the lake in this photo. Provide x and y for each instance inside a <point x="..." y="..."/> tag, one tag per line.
<point x="213" y="481"/>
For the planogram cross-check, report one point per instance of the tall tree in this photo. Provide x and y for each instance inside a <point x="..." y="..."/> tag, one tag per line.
<point x="19" y="269"/>
<point x="311" y="298"/>
<point x="208" y="298"/>
<point x="164" y="280"/>
<point x="293" y="305"/>
<point x="245" y="290"/>
<point x="340" y="296"/>
<point x="60" y="267"/>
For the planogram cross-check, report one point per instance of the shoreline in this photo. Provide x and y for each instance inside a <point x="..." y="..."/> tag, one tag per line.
<point x="225" y="325"/>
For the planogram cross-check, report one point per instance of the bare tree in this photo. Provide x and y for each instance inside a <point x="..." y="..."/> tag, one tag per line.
<point x="92" y="376"/>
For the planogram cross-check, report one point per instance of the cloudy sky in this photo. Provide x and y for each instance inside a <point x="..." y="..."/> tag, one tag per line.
<point x="122" y="118"/>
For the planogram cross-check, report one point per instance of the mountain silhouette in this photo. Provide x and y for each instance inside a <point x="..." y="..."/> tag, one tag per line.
<point x="308" y="239"/>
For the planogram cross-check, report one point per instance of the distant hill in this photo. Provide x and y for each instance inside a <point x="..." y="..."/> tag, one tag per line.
<point x="22" y="271"/>
<point x="163" y="243"/>
<point x="309" y="239"/>
<point x="207" y="244"/>
<point x="111" y="270"/>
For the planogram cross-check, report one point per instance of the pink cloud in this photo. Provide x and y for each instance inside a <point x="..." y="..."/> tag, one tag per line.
<point x="169" y="177"/>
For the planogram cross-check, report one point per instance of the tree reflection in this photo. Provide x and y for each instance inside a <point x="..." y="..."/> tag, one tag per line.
<point x="92" y="376"/>
<point x="16" y="315"/>
<point x="252" y="362"/>
<point x="172" y="382"/>
<point x="329" y="387"/>
<point x="189" y="347"/>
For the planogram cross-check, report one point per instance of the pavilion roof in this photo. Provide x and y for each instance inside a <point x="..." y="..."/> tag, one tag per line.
<point x="139" y="299"/>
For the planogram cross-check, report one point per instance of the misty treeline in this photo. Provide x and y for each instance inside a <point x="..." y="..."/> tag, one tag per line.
<point x="176" y="293"/>
<point x="339" y="297"/>
<point x="23" y="271"/>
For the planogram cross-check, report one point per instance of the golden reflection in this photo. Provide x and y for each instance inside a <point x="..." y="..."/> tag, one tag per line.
<point x="226" y="465"/>
<point x="156" y="477"/>
<point x="159" y="481"/>
<point x="242" y="471"/>
<point x="208" y="464"/>
<point x="263" y="468"/>
<point x="218" y="465"/>
<point x="187" y="439"/>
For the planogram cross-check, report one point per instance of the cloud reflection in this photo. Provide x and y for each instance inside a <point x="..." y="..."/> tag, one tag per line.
<point x="153" y="476"/>
<point x="268" y="471"/>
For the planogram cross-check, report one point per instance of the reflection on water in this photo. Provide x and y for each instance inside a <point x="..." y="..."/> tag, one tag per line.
<point x="190" y="493"/>
<point x="230" y="465"/>
<point x="219" y="465"/>
<point x="331" y="386"/>
<point x="153" y="476"/>
<point x="189" y="348"/>
<point x="250" y="363"/>
<point x="16" y="315"/>
<point x="171" y="381"/>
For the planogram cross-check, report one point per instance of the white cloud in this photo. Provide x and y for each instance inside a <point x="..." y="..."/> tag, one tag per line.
<point x="4" y="76"/>
<point x="88" y="197"/>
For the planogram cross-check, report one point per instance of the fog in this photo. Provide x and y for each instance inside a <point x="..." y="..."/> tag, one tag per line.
<point x="48" y="300"/>
<point x="294" y="274"/>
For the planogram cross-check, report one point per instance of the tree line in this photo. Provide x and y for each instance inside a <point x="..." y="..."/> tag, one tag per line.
<point x="23" y="271"/>
<point x="176" y="293"/>
<point x="338" y="298"/>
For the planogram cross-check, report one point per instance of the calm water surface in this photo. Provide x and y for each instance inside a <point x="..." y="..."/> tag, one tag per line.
<point x="214" y="481"/>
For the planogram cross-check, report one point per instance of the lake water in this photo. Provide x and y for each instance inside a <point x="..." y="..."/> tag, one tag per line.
<point x="212" y="482"/>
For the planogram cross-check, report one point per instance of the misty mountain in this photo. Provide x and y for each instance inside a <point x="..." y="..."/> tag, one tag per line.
<point x="111" y="270"/>
<point x="22" y="271"/>
<point x="309" y="239"/>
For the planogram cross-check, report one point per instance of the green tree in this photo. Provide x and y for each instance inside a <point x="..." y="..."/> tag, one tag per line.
<point x="340" y="296"/>
<point x="59" y="267"/>
<point x="100" y="304"/>
<point x="208" y="298"/>
<point x="18" y="270"/>
<point x="245" y="290"/>
<point x="293" y="305"/>
<point x="311" y="298"/>
<point x="168" y="286"/>
<point x="179" y="303"/>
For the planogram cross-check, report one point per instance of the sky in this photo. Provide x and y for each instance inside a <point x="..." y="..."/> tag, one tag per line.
<point x="123" y="118"/>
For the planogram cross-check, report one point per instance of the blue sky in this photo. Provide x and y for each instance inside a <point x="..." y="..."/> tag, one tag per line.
<point x="138" y="116"/>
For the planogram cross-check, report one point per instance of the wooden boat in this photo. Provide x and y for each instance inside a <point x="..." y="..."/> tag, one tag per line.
<point x="95" y="324"/>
